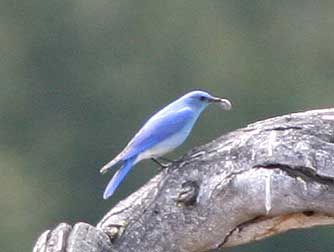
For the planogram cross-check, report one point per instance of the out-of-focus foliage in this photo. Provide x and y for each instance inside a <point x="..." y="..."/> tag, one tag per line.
<point x="79" y="77"/>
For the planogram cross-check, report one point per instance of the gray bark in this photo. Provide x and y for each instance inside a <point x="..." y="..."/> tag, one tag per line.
<point x="272" y="176"/>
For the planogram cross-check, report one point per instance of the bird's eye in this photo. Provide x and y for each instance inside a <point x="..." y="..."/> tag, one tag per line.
<point x="202" y="98"/>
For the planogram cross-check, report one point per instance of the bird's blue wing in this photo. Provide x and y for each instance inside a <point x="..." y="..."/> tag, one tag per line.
<point x="157" y="129"/>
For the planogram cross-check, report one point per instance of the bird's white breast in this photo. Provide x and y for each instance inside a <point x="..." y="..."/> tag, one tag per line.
<point x="165" y="146"/>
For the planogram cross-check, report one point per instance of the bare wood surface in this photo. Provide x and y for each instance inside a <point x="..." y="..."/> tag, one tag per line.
<point x="270" y="177"/>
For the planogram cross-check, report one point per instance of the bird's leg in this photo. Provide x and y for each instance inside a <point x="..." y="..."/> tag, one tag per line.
<point x="175" y="161"/>
<point x="167" y="160"/>
<point x="162" y="165"/>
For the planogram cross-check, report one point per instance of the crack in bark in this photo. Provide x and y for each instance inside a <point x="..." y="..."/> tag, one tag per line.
<point x="265" y="226"/>
<point x="306" y="173"/>
<point x="283" y="128"/>
<point x="239" y="227"/>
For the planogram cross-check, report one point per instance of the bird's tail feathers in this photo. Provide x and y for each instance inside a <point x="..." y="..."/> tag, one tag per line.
<point x="118" y="178"/>
<point x="110" y="164"/>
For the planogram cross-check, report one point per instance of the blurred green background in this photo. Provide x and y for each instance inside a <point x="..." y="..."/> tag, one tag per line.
<point x="79" y="77"/>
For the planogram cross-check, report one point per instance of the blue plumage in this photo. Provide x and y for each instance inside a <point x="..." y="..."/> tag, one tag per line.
<point x="163" y="132"/>
<point x="118" y="178"/>
<point x="157" y="130"/>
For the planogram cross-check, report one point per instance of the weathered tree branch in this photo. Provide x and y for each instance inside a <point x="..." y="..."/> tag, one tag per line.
<point x="272" y="176"/>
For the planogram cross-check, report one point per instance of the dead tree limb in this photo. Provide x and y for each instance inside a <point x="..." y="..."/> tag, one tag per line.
<point x="272" y="176"/>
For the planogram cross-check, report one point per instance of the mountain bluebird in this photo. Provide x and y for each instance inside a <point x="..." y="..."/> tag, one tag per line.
<point x="162" y="133"/>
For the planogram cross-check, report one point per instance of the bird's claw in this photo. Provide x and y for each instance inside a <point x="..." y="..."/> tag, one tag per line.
<point x="162" y="165"/>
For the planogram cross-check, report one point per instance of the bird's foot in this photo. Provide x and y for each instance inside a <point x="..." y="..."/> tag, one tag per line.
<point x="162" y="165"/>
<point x="169" y="161"/>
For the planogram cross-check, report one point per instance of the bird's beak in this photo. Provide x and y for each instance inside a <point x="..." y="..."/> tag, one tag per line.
<point x="224" y="103"/>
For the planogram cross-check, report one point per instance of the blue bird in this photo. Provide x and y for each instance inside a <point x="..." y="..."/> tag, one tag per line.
<point x="162" y="133"/>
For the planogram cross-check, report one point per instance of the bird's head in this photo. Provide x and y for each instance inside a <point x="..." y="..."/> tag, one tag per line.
<point x="202" y="99"/>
